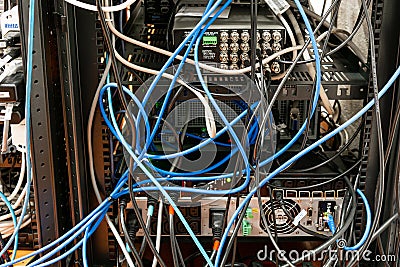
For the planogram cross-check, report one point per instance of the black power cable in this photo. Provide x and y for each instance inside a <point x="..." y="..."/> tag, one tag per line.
<point x="340" y="230"/>
<point x="337" y="154"/>
<point x="142" y="223"/>
<point x="322" y="20"/>
<point x="301" y="227"/>
<point x="130" y="121"/>
<point x="127" y="235"/>
<point x="381" y="177"/>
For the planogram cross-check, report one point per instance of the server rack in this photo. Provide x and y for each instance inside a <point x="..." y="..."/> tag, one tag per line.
<point x="66" y="70"/>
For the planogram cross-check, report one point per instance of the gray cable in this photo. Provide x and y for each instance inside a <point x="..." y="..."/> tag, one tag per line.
<point x="381" y="178"/>
<point x="346" y="40"/>
<point x="127" y="237"/>
<point x="384" y="226"/>
<point x="173" y="241"/>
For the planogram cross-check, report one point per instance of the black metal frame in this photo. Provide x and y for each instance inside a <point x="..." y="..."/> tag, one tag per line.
<point x="47" y="128"/>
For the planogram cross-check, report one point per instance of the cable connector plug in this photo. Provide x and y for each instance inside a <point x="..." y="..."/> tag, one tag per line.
<point x="331" y="223"/>
<point x="132" y="222"/>
<point x="217" y="221"/>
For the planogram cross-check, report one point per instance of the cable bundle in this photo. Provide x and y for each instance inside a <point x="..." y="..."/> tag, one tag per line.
<point x="137" y="136"/>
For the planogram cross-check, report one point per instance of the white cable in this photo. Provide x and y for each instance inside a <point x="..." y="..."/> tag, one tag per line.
<point x="10" y="232"/>
<point x="20" y="179"/>
<point x="91" y="166"/>
<point x="7" y="216"/>
<point x="9" y="224"/>
<point x="19" y="199"/>
<point x="208" y="114"/>
<point x="89" y="7"/>
<point x="159" y="226"/>
<point x="290" y="33"/>
<point x="190" y="61"/>
<point x="15" y="206"/>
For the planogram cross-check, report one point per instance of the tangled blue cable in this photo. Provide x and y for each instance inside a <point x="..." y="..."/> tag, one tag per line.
<point x="88" y="225"/>
<point x="14" y="219"/>
<point x="332" y="227"/>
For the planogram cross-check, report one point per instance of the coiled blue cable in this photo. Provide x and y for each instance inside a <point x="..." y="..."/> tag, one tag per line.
<point x="367" y="231"/>
<point x="209" y="11"/>
<point x="146" y="171"/>
<point x="14" y="219"/>
<point x="318" y="85"/>
<point x="158" y="185"/>
<point x="308" y="149"/>
<point x="206" y="170"/>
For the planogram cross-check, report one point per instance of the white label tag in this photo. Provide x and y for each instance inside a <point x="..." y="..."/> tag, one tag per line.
<point x="7" y="113"/>
<point x="4" y="94"/>
<point x="278" y="6"/>
<point x="299" y="216"/>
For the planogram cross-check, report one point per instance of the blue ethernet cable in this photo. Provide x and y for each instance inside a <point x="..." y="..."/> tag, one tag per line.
<point x="205" y="142"/>
<point x="210" y="168"/>
<point x="84" y="248"/>
<point x="367" y="231"/>
<point x="368" y="225"/>
<point x="29" y="55"/>
<point x="318" y="85"/>
<point x="81" y="225"/>
<point x="308" y="149"/>
<point x="209" y="11"/>
<point x="146" y="171"/>
<point x="158" y="185"/>
<point x="193" y="36"/>
<point x="317" y="82"/>
<point x="73" y="231"/>
<point x="90" y="228"/>
<point x="137" y="102"/>
<point x="14" y="219"/>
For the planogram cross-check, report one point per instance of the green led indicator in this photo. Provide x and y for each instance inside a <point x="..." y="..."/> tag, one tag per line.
<point x="210" y="40"/>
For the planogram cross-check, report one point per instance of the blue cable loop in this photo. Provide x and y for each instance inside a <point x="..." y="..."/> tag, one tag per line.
<point x="208" y="169"/>
<point x="367" y="227"/>
<point x="158" y="185"/>
<point x="367" y="231"/>
<point x="263" y="182"/>
<point x="331" y="223"/>
<point x="147" y="172"/>
<point x="209" y="10"/>
<point x="300" y="154"/>
<point x="14" y="219"/>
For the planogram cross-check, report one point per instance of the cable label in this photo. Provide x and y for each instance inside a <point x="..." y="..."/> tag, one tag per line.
<point x="299" y="216"/>
<point x="278" y="6"/>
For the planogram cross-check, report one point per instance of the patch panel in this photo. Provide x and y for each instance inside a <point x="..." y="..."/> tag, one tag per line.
<point x="228" y="40"/>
